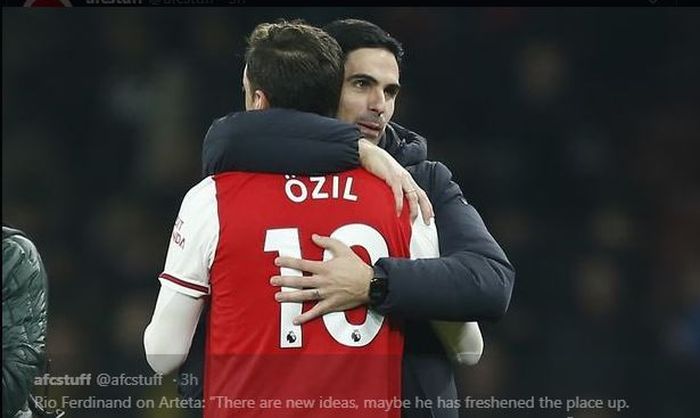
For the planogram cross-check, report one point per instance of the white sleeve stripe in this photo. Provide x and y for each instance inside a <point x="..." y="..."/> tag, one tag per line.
<point x="192" y="286"/>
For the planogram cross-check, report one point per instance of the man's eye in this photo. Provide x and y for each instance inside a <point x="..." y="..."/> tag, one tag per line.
<point x="360" y="84"/>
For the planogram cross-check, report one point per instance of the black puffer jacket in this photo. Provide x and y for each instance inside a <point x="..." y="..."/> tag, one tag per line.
<point x="24" y="319"/>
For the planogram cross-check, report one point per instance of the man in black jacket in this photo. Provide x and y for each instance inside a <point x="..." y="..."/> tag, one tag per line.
<point x="473" y="278"/>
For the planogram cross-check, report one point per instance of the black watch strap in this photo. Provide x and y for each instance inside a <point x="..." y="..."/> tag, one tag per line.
<point x="378" y="287"/>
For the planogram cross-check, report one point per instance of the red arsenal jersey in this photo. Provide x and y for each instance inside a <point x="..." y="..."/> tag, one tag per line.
<point x="258" y="363"/>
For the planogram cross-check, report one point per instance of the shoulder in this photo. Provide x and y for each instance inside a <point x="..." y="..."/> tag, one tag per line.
<point x="199" y="203"/>
<point x="201" y="194"/>
<point x="202" y="190"/>
<point x="431" y="175"/>
<point x="16" y="248"/>
<point x="406" y="146"/>
<point x="20" y="259"/>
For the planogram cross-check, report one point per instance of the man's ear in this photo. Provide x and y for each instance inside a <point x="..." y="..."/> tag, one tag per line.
<point x="260" y="101"/>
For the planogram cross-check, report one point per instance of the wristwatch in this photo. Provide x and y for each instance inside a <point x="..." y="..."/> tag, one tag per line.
<point x="378" y="287"/>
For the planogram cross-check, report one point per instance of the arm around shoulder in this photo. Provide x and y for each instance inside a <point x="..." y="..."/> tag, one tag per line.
<point x="280" y="141"/>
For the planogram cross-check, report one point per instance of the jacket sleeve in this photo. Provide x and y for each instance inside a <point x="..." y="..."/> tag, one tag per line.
<point x="280" y="141"/>
<point x="24" y="306"/>
<point x="473" y="278"/>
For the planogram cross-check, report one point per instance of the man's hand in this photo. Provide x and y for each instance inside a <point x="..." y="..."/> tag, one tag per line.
<point x="383" y="165"/>
<point x="339" y="284"/>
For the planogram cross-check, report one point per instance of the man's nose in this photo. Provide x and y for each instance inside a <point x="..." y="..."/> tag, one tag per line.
<point x="377" y="102"/>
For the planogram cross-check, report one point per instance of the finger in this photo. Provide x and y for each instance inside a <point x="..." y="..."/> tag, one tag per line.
<point x="299" y="264"/>
<point x="337" y="247"/>
<point x="318" y="310"/>
<point x="412" y="197"/>
<point x="297" y="296"/>
<point x="422" y="201"/>
<point x="297" y="282"/>
<point x="425" y="206"/>
<point x="397" y="190"/>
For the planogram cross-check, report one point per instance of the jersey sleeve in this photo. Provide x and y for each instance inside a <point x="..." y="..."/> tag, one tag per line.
<point x="193" y="242"/>
<point x="462" y="341"/>
<point x="424" y="239"/>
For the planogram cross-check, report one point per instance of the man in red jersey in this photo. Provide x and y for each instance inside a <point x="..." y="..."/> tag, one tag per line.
<point x="231" y="229"/>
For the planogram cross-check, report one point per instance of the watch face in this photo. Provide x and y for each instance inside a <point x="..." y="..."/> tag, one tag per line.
<point x="377" y="290"/>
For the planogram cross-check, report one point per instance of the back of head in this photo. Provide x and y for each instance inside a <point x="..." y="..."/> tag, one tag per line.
<point x="298" y="66"/>
<point x="354" y="34"/>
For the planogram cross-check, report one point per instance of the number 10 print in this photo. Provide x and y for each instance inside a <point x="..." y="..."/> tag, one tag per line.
<point x="286" y="242"/>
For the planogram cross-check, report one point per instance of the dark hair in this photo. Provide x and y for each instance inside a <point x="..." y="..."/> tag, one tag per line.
<point x="354" y="34"/>
<point x="298" y="66"/>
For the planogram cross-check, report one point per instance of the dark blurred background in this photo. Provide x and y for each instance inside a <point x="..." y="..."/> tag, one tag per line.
<point x="574" y="132"/>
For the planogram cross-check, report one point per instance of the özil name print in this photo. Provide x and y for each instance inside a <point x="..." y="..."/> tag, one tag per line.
<point x="298" y="191"/>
